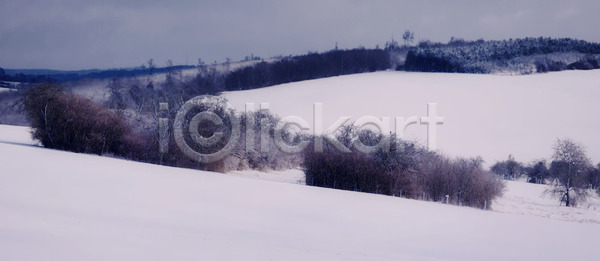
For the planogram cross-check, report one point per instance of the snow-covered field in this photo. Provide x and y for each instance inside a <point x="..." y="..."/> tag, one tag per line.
<point x="6" y="89"/>
<point x="532" y="200"/>
<point x="57" y="205"/>
<point x="294" y="176"/>
<point x="487" y="115"/>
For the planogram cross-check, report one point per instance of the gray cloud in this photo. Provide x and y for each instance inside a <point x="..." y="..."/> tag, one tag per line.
<point x="103" y="34"/>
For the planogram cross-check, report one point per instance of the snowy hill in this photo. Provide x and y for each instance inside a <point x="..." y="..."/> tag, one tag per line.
<point x="487" y="115"/>
<point x="57" y="205"/>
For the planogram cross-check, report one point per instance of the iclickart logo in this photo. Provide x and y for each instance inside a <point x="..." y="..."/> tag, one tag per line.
<point x="206" y="129"/>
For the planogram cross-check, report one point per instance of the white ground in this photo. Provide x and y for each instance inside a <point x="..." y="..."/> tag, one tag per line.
<point x="520" y="198"/>
<point x="6" y="89"/>
<point x="532" y="200"/>
<point x="62" y="206"/>
<point x="487" y="115"/>
<point x="294" y="176"/>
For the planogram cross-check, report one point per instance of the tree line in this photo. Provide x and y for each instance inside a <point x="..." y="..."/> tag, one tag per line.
<point x="516" y="55"/>
<point x="68" y="76"/>
<point x="62" y="120"/>
<point x="406" y="170"/>
<point x="307" y="67"/>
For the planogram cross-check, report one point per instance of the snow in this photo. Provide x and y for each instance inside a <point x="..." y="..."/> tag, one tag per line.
<point x="531" y="199"/>
<point x="294" y="176"/>
<point x="16" y="135"/>
<point x="492" y="116"/>
<point x="58" y="205"/>
<point x="6" y="89"/>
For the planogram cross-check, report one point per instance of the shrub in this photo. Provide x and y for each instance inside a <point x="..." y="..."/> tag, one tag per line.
<point x="240" y="157"/>
<point x="405" y="170"/>
<point x="67" y="122"/>
<point x="509" y="169"/>
<point x="10" y="109"/>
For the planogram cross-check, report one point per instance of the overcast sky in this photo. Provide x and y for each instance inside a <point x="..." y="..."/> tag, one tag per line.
<point x="57" y="34"/>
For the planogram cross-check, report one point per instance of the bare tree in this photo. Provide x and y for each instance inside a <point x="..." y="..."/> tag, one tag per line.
<point x="149" y="77"/>
<point x="171" y="77"/>
<point x="201" y="66"/>
<point x="568" y="169"/>
<point x="227" y="64"/>
<point x="151" y="66"/>
<point x="116" y="92"/>
<point x="594" y="178"/>
<point x="408" y="37"/>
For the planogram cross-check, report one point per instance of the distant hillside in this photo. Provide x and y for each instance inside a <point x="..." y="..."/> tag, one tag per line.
<point x="517" y="56"/>
<point x="513" y="56"/>
<point x="41" y="75"/>
<point x="47" y="71"/>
